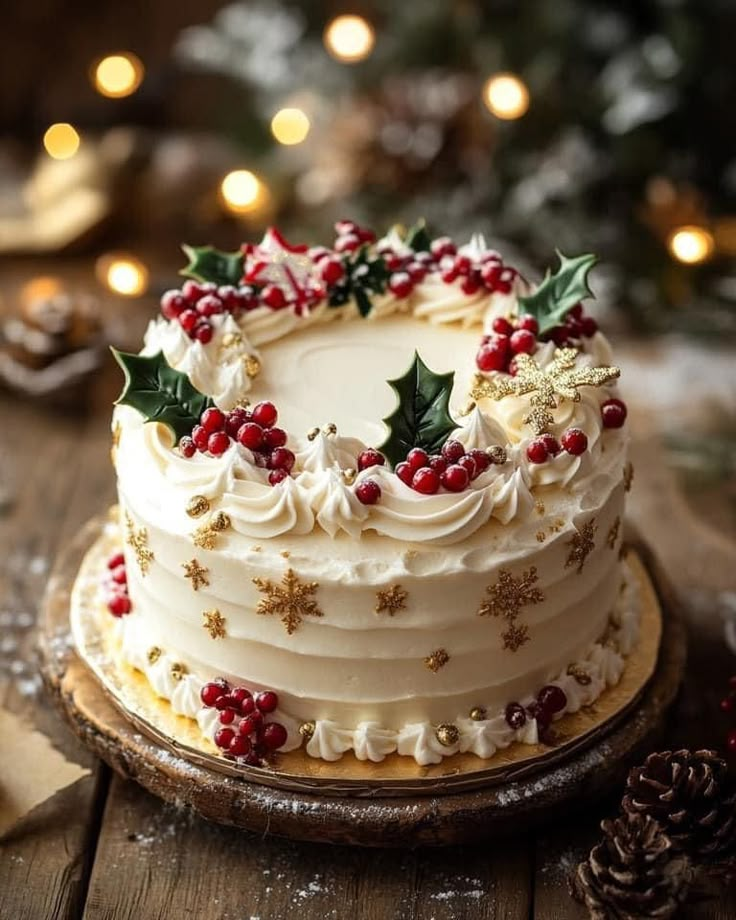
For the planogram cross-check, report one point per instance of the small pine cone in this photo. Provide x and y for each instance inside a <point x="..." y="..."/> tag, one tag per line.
<point x="686" y="793"/>
<point x="633" y="873"/>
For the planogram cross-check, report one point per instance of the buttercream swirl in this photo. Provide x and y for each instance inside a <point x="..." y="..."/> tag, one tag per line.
<point x="371" y="742"/>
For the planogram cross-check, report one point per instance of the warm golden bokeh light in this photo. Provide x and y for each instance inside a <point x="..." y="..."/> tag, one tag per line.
<point x="118" y="75"/>
<point x="61" y="141"/>
<point x="349" y="38"/>
<point x="242" y="191"/>
<point x="44" y="287"/>
<point x="506" y="96"/>
<point x="122" y="273"/>
<point x="290" y="126"/>
<point x="691" y="244"/>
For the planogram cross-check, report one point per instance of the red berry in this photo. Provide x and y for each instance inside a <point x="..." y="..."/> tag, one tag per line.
<point x="193" y="290"/>
<point x="265" y="414"/>
<point x="201" y="437"/>
<point x="347" y="242"/>
<point x="369" y="458"/>
<point x="481" y="459"/>
<point x="727" y="704"/>
<point x="573" y="327"/>
<point x="452" y="451"/>
<point x="230" y="298"/>
<point x="224" y="737"/>
<point x="281" y="459"/>
<point x="203" y="333"/>
<point x="187" y="447"/>
<point x="235" y="420"/>
<point x="394" y="263"/>
<point x="224" y="701"/>
<point x="574" y="441"/>
<point x="462" y="265"/>
<point x="119" y="575"/>
<point x="343" y="227"/>
<point x="172" y="304"/>
<point x="467" y="463"/>
<point x="559" y="336"/>
<point x="493" y="355"/>
<point x="404" y="472"/>
<point x="442" y="246"/>
<point x="449" y="275"/>
<point x="588" y="327"/>
<point x="552" y="699"/>
<point x="238" y="694"/>
<point x="515" y="716"/>
<point x="332" y="271"/>
<point x="227" y="716"/>
<point x="551" y="443"/>
<point x="274" y="437"/>
<point x="425" y="481"/>
<point x="273" y="296"/>
<point x="401" y="284"/>
<point x="274" y="736"/>
<point x="502" y="326"/>
<point x="239" y="746"/>
<point x="250" y="435"/>
<point x="536" y="450"/>
<point x="251" y="723"/>
<point x="115" y="560"/>
<point x="210" y="305"/>
<point x="118" y="604"/>
<point x="188" y="320"/>
<point x="613" y="413"/>
<point x="212" y="420"/>
<point x="455" y="478"/>
<point x="731" y="742"/>
<point x="437" y="463"/>
<point x="368" y="492"/>
<point x="211" y="693"/>
<point x="417" y="458"/>
<point x="267" y="701"/>
<point x="417" y="271"/>
<point x="528" y="323"/>
<point x="277" y="476"/>
<point x="218" y="443"/>
<point x="247" y="705"/>
<point x="577" y="311"/>
<point x="523" y="342"/>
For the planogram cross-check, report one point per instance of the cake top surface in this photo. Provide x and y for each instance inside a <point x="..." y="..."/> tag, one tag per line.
<point x="405" y="387"/>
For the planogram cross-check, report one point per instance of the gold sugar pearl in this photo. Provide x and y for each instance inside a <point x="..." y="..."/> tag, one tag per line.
<point x="478" y="714"/>
<point x="306" y="730"/>
<point x="349" y="476"/>
<point x="447" y="734"/>
<point x="220" y="522"/>
<point x="178" y="671"/>
<point x="252" y="366"/>
<point x="153" y="655"/>
<point x="197" y="506"/>
<point x="329" y="428"/>
<point x="312" y="434"/>
<point x="497" y="454"/>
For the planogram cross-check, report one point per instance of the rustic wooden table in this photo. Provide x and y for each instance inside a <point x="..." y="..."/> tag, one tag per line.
<point x="104" y="848"/>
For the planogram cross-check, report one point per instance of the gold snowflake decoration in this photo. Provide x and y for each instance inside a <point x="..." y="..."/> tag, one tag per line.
<point x="206" y="536"/>
<point x="560" y="379"/>
<point x="214" y="623"/>
<point x="197" y="573"/>
<point x="391" y="600"/>
<point x="438" y="659"/>
<point x="291" y="600"/>
<point x="581" y="545"/>
<point x="506" y="598"/>
<point x="137" y="539"/>
<point x="613" y="532"/>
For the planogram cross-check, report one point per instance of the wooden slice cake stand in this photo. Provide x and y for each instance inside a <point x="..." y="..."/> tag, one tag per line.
<point x="396" y="803"/>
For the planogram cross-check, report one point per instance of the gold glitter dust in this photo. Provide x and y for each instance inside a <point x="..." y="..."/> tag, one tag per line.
<point x="541" y="536"/>
<point x="252" y="366"/>
<point x="612" y="535"/>
<point x="197" y="573"/>
<point x="478" y="714"/>
<point x="539" y="507"/>
<point x="579" y="674"/>
<point x="137" y="539"/>
<point x="628" y="476"/>
<point x="256" y="549"/>
<point x="438" y="659"/>
<point x="391" y="600"/>
<point x="544" y="386"/>
<point x="447" y="734"/>
<point x="285" y="553"/>
<point x="206" y="536"/>
<point x="306" y="730"/>
<point x="497" y="454"/>
<point x="581" y="545"/>
<point x="506" y="598"/>
<point x="153" y="654"/>
<point x="231" y="339"/>
<point x="291" y="600"/>
<point x="178" y="671"/>
<point x="197" y="506"/>
<point x="214" y="623"/>
<point x="349" y="475"/>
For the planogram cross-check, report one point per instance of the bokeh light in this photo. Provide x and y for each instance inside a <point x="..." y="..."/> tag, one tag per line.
<point x="349" y="38"/>
<point x="61" y="141"/>
<point x="506" y="96"/>
<point x="43" y="287"/>
<point x="290" y="126"/>
<point x="691" y="244"/>
<point x="242" y="191"/>
<point x="118" y="75"/>
<point x="123" y="273"/>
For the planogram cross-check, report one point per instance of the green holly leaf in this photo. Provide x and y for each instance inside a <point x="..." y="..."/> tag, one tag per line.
<point x="422" y="417"/>
<point x="209" y="264"/>
<point x="417" y="237"/>
<point x="365" y="275"/>
<point x="160" y="393"/>
<point x="559" y="292"/>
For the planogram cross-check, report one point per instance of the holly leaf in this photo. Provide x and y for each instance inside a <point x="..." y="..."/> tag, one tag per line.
<point x="160" y="393"/>
<point x="209" y="264"/>
<point x="559" y="292"/>
<point x="422" y="417"/>
<point x="417" y="237"/>
<point x="365" y="275"/>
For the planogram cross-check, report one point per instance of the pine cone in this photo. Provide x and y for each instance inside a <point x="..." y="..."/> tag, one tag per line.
<point x="633" y="873"/>
<point x="686" y="793"/>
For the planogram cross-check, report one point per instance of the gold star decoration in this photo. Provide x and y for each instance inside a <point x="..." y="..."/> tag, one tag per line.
<point x="137" y="539"/>
<point x="438" y="659"/>
<point x="291" y="600"/>
<point x="214" y="623"/>
<point x="628" y="476"/>
<point x="391" y="600"/>
<point x="581" y="545"/>
<point x="206" y="536"/>
<point x="560" y="379"/>
<point x="197" y="573"/>
<point x="506" y="599"/>
<point x="612" y="535"/>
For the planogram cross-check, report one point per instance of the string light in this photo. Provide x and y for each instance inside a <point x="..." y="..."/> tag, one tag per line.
<point x="506" y="96"/>
<point x="691" y="244"/>
<point x="242" y="191"/>
<point x="290" y="126"/>
<point x="118" y="75"/>
<point x="61" y="141"/>
<point x="349" y="38"/>
<point x="122" y="273"/>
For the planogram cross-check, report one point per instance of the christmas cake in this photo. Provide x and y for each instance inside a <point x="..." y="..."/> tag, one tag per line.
<point x="371" y="500"/>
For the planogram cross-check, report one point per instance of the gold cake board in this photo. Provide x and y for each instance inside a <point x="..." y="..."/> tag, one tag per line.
<point x="395" y="803"/>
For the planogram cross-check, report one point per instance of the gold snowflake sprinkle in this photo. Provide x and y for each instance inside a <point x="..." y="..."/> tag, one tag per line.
<point x="514" y="636"/>
<point x="613" y="532"/>
<point x="153" y="654"/>
<point x="539" y="506"/>
<point x="206" y="536"/>
<point x="214" y="623"/>
<point x="447" y="734"/>
<point x="506" y="599"/>
<point x="581" y="545"/>
<point x="541" y="536"/>
<point x="197" y="506"/>
<point x="137" y="539"/>
<point x="178" y="671"/>
<point x="438" y="659"/>
<point x="628" y="476"/>
<point x="291" y="600"/>
<point x="198" y="574"/>
<point x="580" y="675"/>
<point x="560" y="379"/>
<point x="391" y="600"/>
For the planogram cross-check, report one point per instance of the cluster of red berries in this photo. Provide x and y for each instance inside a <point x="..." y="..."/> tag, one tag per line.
<point x="196" y="303"/>
<point x="368" y="491"/>
<point x="253" y="428"/>
<point x="508" y="339"/>
<point x="452" y="469"/>
<point x="118" y="601"/>
<point x="245" y="735"/>
<point x="577" y="326"/>
<point x="574" y="441"/>
<point x="728" y="706"/>
<point x="550" y="701"/>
